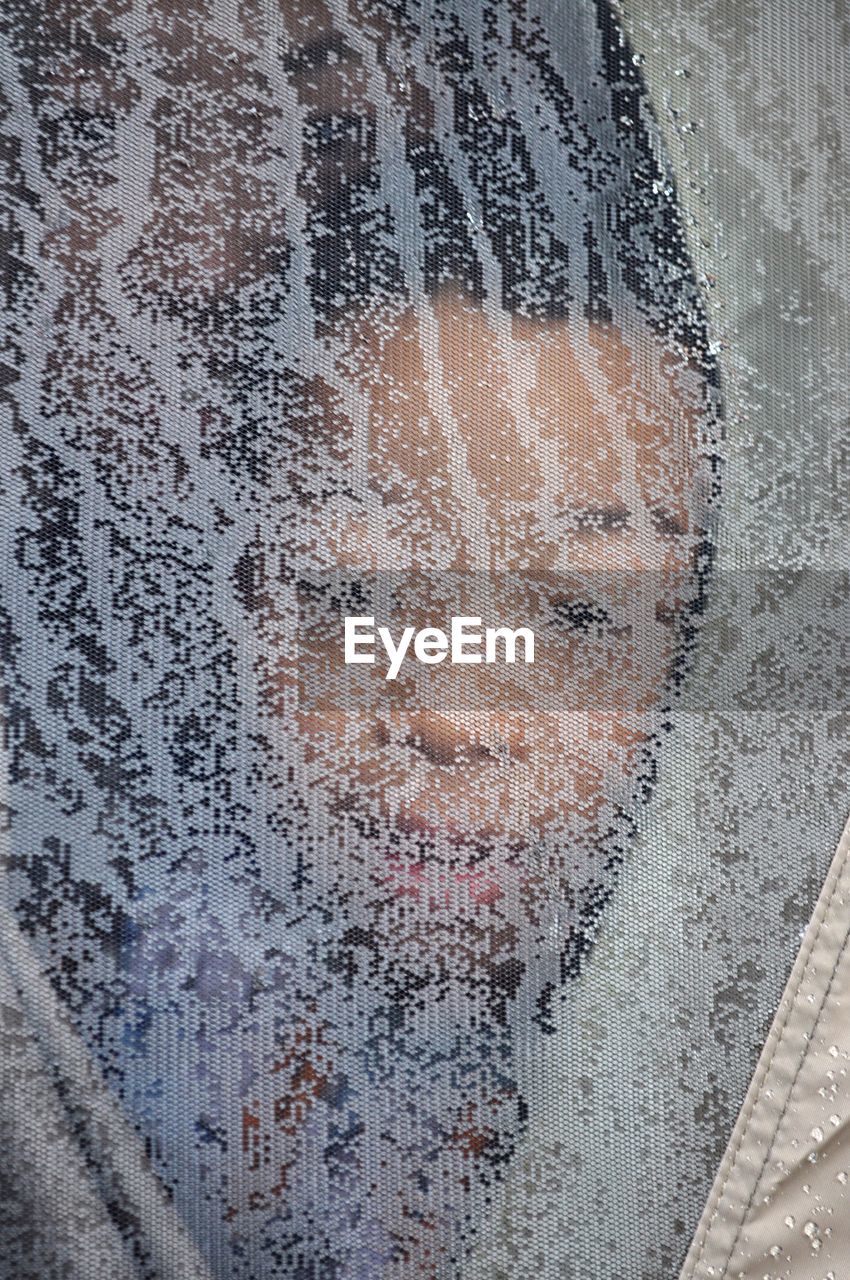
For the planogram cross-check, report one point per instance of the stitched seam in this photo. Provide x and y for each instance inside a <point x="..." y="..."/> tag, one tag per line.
<point x="787" y="1102"/>
<point x="749" y="1110"/>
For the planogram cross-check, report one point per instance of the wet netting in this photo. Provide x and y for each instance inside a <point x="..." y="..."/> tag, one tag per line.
<point x="360" y="471"/>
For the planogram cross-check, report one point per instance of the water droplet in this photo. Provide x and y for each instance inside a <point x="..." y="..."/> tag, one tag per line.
<point x="789" y="1221"/>
<point x="775" y="1250"/>
<point x="817" y="1133"/>
<point x="842" y="1177"/>
<point x="833" y="1119"/>
<point x="833" y="1051"/>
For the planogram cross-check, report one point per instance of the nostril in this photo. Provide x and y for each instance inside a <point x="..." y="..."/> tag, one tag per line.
<point x="668" y="615"/>
<point x="452" y="745"/>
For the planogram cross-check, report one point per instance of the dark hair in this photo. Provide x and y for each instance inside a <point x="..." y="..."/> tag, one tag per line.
<point x="625" y="234"/>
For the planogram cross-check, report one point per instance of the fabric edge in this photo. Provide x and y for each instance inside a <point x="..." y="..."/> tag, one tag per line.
<point x="784" y="1052"/>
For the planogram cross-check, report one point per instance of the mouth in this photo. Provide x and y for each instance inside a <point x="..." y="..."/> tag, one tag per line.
<point x="404" y="879"/>
<point x="413" y="835"/>
<point x="442" y="870"/>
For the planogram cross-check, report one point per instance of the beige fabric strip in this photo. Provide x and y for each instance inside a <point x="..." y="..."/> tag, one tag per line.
<point x="780" y="1208"/>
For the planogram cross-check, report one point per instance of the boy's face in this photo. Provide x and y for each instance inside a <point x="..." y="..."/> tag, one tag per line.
<point x="532" y="475"/>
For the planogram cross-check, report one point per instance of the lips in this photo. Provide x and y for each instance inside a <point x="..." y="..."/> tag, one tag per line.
<point x="412" y="879"/>
<point x="483" y="888"/>
<point x="445" y="869"/>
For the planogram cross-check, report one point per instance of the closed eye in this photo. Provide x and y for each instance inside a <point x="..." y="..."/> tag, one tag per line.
<point x="584" y="617"/>
<point x="340" y="596"/>
<point x="669" y="524"/>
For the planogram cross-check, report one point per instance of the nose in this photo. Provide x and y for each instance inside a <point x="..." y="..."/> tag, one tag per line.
<point x="452" y="742"/>
<point x="446" y="742"/>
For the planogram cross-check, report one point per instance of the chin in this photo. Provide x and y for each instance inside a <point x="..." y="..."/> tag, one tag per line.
<point x="452" y="927"/>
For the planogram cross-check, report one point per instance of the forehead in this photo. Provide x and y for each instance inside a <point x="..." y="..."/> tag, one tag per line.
<point x="604" y="393"/>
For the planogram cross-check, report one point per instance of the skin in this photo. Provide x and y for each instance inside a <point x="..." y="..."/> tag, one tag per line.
<point x="494" y="751"/>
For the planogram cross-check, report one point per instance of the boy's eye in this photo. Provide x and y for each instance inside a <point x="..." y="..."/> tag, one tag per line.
<point x="348" y="596"/>
<point x="585" y="617"/>
<point x="602" y="520"/>
<point x="669" y="524"/>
